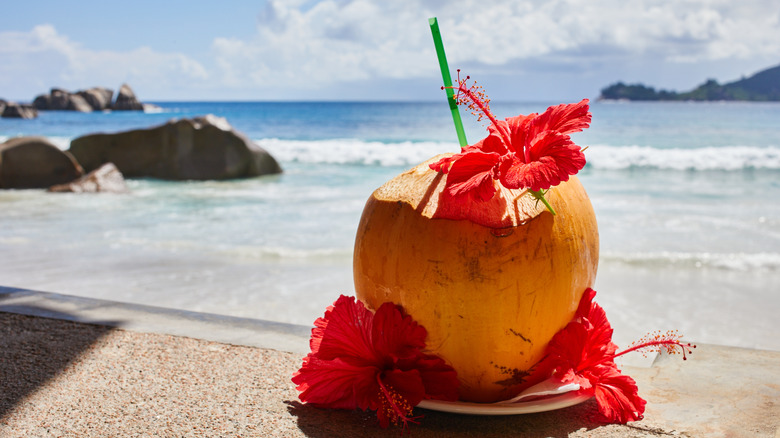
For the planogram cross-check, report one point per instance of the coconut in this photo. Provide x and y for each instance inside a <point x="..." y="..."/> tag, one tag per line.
<point x="490" y="296"/>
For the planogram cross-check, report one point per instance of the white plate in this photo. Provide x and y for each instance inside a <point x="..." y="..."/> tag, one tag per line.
<point x="528" y="407"/>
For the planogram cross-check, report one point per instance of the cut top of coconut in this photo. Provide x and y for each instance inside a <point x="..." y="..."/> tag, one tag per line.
<point x="424" y="190"/>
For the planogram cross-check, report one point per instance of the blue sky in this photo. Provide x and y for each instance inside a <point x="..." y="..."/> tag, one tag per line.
<point x="379" y="50"/>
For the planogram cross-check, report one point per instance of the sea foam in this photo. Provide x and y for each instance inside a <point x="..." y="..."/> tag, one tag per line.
<point x="741" y="262"/>
<point x="729" y="158"/>
<point x="357" y="152"/>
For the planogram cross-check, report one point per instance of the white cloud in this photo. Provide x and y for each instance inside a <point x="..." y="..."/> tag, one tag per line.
<point x="340" y="41"/>
<point x="302" y="48"/>
<point x="41" y="58"/>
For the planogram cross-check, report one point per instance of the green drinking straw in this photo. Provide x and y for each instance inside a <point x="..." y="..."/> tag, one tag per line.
<point x="445" y="75"/>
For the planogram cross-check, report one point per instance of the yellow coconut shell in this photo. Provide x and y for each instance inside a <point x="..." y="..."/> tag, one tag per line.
<point x="490" y="298"/>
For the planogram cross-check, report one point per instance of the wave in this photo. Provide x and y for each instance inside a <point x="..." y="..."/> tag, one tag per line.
<point x="740" y="262"/>
<point x="600" y="157"/>
<point x="729" y="158"/>
<point x="355" y="152"/>
<point x="288" y="254"/>
<point x="240" y="252"/>
<point x="352" y="151"/>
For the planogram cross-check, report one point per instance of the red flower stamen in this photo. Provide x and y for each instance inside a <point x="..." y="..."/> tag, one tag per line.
<point x="660" y="341"/>
<point x="394" y="407"/>
<point x="479" y="104"/>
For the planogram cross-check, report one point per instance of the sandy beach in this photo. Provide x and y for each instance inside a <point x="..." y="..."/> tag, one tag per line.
<point x="63" y="378"/>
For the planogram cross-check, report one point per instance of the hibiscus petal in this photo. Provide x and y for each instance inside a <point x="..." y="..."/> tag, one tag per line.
<point x="473" y="173"/>
<point x="395" y="335"/>
<point x="519" y="131"/>
<point x="586" y="303"/>
<point x="536" y="175"/>
<point x="553" y="157"/>
<point x="583" y="345"/>
<point x="337" y="384"/>
<point x="494" y="142"/>
<point x="564" y="118"/>
<point x="618" y="396"/>
<point x="566" y="349"/>
<point x="598" y="346"/>
<point x="344" y="332"/>
<point x="440" y="380"/>
<point x="568" y="157"/>
<point x="443" y="165"/>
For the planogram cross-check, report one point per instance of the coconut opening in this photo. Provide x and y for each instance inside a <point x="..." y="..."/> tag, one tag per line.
<point x="423" y="189"/>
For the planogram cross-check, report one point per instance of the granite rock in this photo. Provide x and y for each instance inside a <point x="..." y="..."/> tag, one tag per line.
<point x="34" y="162"/>
<point x="59" y="99"/>
<point x="106" y="178"/>
<point x="17" y="110"/>
<point x="201" y="148"/>
<point x="126" y="100"/>
<point x="98" y="98"/>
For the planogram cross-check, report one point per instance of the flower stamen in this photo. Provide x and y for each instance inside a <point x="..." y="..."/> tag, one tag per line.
<point x="476" y="100"/>
<point x="394" y="406"/>
<point x="658" y="341"/>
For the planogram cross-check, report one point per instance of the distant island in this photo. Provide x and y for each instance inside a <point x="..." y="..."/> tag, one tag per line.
<point x="762" y="86"/>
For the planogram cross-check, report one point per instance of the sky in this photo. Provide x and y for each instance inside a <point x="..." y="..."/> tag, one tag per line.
<point x="518" y="50"/>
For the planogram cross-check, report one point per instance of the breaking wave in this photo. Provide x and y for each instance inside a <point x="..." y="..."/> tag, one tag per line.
<point x="357" y="152"/>
<point x="741" y="262"/>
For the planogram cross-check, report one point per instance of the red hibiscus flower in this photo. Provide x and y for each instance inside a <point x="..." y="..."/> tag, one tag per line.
<point x="541" y="153"/>
<point x="583" y="353"/>
<point x="364" y="360"/>
<point x="533" y="152"/>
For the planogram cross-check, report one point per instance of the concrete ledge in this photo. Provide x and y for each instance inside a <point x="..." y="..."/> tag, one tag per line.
<point x="151" y="384"/>
<point x="150" y="319"/>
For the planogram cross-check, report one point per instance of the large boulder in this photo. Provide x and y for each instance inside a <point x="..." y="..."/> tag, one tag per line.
<point x="106" y="178"/>
<point x="42" y="102"/>
<point x="126" y="100"/>
<point x="201" y="148"/>
<point x="78" y="103"/>
<point x="17" y="110"/>
<point x="99" y="98"/>
<point x="59" y="99"/>
<point x="35" y="162"/>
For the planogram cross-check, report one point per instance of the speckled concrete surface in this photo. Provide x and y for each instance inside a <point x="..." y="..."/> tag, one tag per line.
<point x="68" y="379"/>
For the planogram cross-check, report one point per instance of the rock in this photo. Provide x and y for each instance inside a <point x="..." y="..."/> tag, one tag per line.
<point x="96" y="98"/>
<point x="58" y="99"/>
<point x="106" y="178"/>
<point x="2" y="107"/>
<point x="42" y="102"/>
<point x="34" y="162"/>
<point x="78" y="103"/>
<point x="201" y="148"/>
<point x="126" y="100"/>
<point x="18" y="111"/>
<point x="99" y="98"/>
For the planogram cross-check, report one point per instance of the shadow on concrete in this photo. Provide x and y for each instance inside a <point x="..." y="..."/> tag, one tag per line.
<point x="34" y="350"/>
<point x="322" y="423"/>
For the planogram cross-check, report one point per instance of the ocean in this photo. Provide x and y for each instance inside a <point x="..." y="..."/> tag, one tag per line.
<point x="687" y="197"/>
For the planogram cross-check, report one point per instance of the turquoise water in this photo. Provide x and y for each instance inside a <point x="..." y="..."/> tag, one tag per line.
<point x="687" y="196"/>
